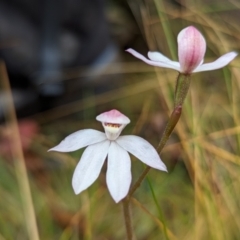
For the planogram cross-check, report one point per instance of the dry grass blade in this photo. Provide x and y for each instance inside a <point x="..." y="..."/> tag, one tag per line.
<point x="21" y="171"/>
<point x="220" y="152"/>
<point x="77" y="106"/>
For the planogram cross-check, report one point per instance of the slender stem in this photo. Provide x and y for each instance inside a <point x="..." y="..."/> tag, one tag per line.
<point x="127" y="218"/>
<point x="139" y="181"/>
<point x="19" y="162"/>
<point x="181" y="90"/>
<point x="182" y="87"/>
<point x="166" y="134"/>
<point x="170" y="126"/>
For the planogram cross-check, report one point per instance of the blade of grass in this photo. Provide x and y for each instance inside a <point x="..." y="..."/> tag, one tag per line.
<point x="156" y="220"/>
<point x="160" y="213"/>
<point x="20" y="167"/>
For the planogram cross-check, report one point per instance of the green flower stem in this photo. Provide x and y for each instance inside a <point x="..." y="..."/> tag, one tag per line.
<point x="169" y="128"/>
<point x="181" y="90"/>
<point x="127" y="218"/>
<point x="166" y="134"/>
<point x="139" y="181"/>
<point x="182" y="87"/>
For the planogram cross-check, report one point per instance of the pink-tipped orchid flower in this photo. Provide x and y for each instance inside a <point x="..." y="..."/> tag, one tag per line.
<point x="191" y="51"/>
<point x="115" y="148"/>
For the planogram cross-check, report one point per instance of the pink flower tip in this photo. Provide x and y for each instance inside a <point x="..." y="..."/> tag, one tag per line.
<point x="191" y="49"/>
<point x="113" y="116"/>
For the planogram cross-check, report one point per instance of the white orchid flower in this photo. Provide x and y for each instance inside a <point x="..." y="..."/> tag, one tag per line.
<point x="191" y="51"/>
<point x="108" y="144"/>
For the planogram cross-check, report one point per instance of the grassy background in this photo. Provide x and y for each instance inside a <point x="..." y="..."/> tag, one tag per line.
<point x="199" y="197"/>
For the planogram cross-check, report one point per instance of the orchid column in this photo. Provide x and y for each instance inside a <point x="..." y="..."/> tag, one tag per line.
<point x="191" y="51"/>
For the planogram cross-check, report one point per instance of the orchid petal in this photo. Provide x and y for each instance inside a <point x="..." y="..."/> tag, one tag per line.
<point x="79" y="140"/>
<point x="158" y="57"/>
<point x="219" y="63"/>
<point x="118" y="172"/>
<point x="90" y="165"/>
<point x="167" y="63"/>
<point x="143" y="150"/>
<point x="191" y="49"/>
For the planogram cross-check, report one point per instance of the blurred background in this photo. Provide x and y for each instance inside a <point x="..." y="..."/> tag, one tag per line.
<point x="66" y="64"/>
